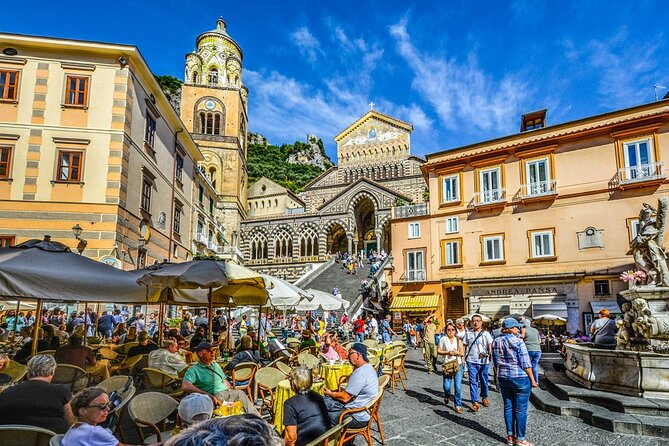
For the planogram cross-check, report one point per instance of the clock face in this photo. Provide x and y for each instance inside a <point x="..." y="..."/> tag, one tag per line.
<point x="210" y="104"/>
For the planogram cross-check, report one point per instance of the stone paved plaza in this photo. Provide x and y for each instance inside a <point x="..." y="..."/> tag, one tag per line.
<point x="419" y="417"/>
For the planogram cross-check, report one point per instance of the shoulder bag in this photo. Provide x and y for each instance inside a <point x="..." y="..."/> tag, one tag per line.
<point x="451" y="368"/>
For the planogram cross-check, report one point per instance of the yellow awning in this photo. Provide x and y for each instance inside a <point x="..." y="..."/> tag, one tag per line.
<point x="408" y="302"/>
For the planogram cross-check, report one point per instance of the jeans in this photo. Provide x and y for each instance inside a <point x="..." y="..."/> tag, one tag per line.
<point x="449" y="381"/>
<point x="360" y="337"/>
<point x="386" y="337"/>
<point x="534" y="359"/>
<point x="478" y="372"/>
<point x="516" y="394"/>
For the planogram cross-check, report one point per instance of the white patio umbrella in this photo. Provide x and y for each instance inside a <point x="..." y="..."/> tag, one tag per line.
<point x="483" y="317"/>
<point x="323" y="300"/>
<point x="549" y="320"/>
<point x="284" y="295"/>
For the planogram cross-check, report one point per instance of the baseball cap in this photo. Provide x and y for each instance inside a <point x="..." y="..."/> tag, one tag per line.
<point x="193" y="405"/>
<point x="510" y="322"/>
<point x="202" y="346"/>
<point x="360" y="348"/>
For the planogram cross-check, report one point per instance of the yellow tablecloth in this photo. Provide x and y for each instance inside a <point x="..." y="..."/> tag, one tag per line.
<point x="281" y="395"/>
<point x="332" y="373"/>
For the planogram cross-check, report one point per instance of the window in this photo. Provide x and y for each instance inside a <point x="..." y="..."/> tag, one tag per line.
<point x="213" y="76"/>
<point x="200" y="193"/>
<point x="638" y="159"/>
<point x="150" y="131"/>
<point x="9" y="83"/>
<point x="490" y="185"/>
<point x="415" y="266"/>
<point x="414" y="230"/>
<point x="450" y="189"/>
<point x="541" y="244"/>
<point x="147" y="185"/>
<point x="602" y="288"/>
<point x="177" y="219"/>
<point x="538" y="177"/>
<point x="76" y="90"/>
<point x="69" y="166"/>
<point x="179" y="167"/>
<point x="211" y="206"/>
<point x="493" y="248"/>
<point x="452" y="224"/>
<point x="451" y="254"/>
<point x="6" y="241"/>
<point x="200" y="228"/>
<point x="5" y="161"/>
<point x="634" y="226"/>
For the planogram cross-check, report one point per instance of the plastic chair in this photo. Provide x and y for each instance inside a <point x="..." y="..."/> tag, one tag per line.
<point x="242" y="377"/>
<point x="149" y="409"/>
<point x="366" y="431"/>
<point x="23" y="435"/>
<point x="267" y="380"/>
<point x="72" y="376"/>
<point x="331" y="437"/>
<point x="163" y="382"/>
<point x="56" y="440"/>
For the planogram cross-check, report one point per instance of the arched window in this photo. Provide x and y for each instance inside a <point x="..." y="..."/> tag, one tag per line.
<point x="213" y="75"/>
<point x="203" y="120"/>
<point x="212" y="176"/>
<point x="258" y="246"/>
<point x="196" y="77"/>
<point x="217" y="124"/>
<point x="283" y="247"/>
<point x="209" y="128"/>
<point x="308" y="243"/>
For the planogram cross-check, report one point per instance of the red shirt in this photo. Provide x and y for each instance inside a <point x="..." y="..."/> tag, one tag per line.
<point x="359" y="326"/>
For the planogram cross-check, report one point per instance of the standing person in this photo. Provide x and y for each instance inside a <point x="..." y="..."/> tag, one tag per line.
<point x="533" y="345"/>
<point x="359" y="328"/>
<point x="105" y="325"/>
<point x="452" y="350"/>
<point x="516" y="379"/>
<point x="477" y="356"/>
<point x="409" y="333"/>
<point x="373" y="327"/>
<point x="386" y="329"/>
<point x="461" y="331"/>
<point x="429" y="346"/>
<point x="186" y="328"/>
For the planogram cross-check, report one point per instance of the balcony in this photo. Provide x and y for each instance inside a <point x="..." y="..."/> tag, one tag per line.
<point x="638" y="176"/>
<point x="200" y="238"/>
<point x="413" y="275"/>
<point x="489" y="199"/>
<point x="537" y="191"/>
<point x="412" y="210"/>
<point x="212" y="246"/>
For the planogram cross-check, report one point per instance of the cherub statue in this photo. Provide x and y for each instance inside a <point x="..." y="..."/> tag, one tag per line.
<point x="622" y="336"/>
<point x="647" y="248"/>
<point x="644" y="318"/>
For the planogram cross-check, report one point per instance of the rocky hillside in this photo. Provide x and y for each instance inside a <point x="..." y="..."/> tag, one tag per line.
<point x="314" y="154"/>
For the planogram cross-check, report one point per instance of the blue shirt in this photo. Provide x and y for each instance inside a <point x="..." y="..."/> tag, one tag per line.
<point x="510" y="357"/>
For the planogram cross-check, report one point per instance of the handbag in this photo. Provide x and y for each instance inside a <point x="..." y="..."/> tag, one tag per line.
<point x="451" y="368"/>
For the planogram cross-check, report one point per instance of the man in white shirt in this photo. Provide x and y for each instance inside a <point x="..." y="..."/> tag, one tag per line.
<point x="168" y="359"/>
<point x="478" y="351"/>
<point x="373" y="327"/>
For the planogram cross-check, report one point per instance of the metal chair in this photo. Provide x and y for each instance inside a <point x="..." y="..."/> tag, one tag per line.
<point x="366" y="431"/>
<point x="331" y="437"/>
<point x="23" y="435"/>
<point x="56" y="440"/>
<point x="149" y="409"/>
<point x="72" y="376"/>
<point x="283" y="367"/>
<point x="308" y="360"/>
<point x="403" y="353"/>
<point x="267" y="380"/>
<point x="242" y="377"/>
<point x="392" y="368"/>
<point x="116" y="384"/>
<point x="371" y="343"/>
<point x="383" y="383"/>
<point x="160" y="381"/>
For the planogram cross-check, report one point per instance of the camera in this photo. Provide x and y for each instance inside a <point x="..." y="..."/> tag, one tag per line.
<point x="483" y="355"/>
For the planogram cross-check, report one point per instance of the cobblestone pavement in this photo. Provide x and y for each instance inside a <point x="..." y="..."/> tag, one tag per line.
<point x="419" y="417"/>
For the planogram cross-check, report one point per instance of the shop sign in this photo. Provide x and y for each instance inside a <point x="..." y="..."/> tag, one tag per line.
<point x="517" y="290"/>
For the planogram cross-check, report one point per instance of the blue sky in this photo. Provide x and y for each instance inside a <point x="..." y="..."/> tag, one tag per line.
<point x="459" y="71"/>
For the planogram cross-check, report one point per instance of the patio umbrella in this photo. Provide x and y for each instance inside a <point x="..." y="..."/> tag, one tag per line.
<point x="323" y="300"/>
<point x="484" y="318"/>
<point x="284" y="295"/>
<point x="549" y="320"/>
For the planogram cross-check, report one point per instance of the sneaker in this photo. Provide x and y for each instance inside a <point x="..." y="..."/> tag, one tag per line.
<point x="523" y="443"/>
<point x="510" y="440"/>
<point x="485" y="402"/>
<point x="475" y="407"/>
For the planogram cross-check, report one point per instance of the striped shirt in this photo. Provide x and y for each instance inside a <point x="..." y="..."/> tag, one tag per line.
<point x="510" y="357"/>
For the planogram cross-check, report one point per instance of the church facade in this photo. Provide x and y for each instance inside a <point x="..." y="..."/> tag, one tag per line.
<point x="346" y="209"/>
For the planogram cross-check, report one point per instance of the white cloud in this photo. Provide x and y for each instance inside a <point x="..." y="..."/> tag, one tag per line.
<point x="463" y="96"/>
<point x="308" y="45"/>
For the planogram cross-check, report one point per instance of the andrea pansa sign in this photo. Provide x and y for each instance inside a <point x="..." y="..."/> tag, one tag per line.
<point x="518" y="290"/>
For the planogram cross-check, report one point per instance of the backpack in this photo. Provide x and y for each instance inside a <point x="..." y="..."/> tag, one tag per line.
<point x="216" y="325"/>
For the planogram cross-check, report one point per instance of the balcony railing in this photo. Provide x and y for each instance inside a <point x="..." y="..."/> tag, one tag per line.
<point x="414" y="275"/>
<point x="538" y="189"/>
<point x="412" y="210"/>
<point x="640" y="173"/>
<point x="212" y="246"/>
<point x="201" y="238"/>
<point x="487" y="197"/>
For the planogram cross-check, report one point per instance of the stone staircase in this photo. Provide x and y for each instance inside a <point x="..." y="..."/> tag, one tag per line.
<point x="606" y="410"/>
<point x="333" y="275"/>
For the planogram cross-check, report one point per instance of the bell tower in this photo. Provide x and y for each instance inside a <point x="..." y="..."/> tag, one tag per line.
<point x="214" y="109"/>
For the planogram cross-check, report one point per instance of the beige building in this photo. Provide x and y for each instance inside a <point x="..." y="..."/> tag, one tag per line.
<point x="535" y="222"/>
<point x="88" y="140"/>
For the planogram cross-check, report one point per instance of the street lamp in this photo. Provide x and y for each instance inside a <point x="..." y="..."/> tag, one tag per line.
<point x="76" y="230"/>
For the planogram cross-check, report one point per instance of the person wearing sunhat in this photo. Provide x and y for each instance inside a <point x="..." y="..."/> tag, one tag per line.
<point x="208" y="378"/>
<point x="361" y="389"/>
<point x="515" y="378"/>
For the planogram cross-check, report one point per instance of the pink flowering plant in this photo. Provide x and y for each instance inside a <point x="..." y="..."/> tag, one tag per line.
<point x="633" y="276"/>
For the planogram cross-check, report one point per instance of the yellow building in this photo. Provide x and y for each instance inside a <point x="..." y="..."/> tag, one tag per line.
<point x="88" y="140"/>
<point x="535" y="222"/>
<point x="214" y="109"/>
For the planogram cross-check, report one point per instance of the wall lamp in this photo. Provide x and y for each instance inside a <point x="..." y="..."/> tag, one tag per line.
<point x="76" y="230"/>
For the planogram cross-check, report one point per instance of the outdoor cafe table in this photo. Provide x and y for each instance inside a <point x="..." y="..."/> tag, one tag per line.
<point x="281" y="395"/>
<point x="331" y="373"/>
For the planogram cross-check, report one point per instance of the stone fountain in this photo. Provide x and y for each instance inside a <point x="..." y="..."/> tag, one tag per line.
<point x="639" y="365"/>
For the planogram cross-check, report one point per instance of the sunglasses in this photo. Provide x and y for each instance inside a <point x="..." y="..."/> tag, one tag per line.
<point x="101" y="406"/>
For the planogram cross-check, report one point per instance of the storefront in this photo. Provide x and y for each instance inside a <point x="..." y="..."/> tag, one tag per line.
<point x="415" y="307"/>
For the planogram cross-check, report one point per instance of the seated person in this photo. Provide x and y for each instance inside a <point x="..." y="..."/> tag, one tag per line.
<point x="129" y="336"/>
<point x="11" y="368"/>
<point x="186" y="354"/>
<point x="341" y="351"/>
<point x="195" y="408"/>
<point x="326" y="349"/>
<point x="90" y="407"/>
<point x="244" y="429"/>
<point x="304" y="414"/>
<point x="245" y="354"/>
<point x="198" y="338"/>
<point x="307" y="339"/>
<point x="51" y="337"/>
<point x="362" y="388"/>
<point x="168" y="359"/>
<point x="27" y="349"/>
<point x="37" y="402"/>
<point x="207" y="377"/>
<point x="75" y="353"/>
<point x="144" y="346"/>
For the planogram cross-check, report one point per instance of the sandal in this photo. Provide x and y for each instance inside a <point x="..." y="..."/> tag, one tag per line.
<point x="523" y="443"/>
<point x="510" y="440"/>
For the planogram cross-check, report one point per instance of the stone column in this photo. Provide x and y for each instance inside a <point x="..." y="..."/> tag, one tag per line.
<point x="377" y="232"/>
<point x="349" y="236"/>
<point x="573" y="315"/>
